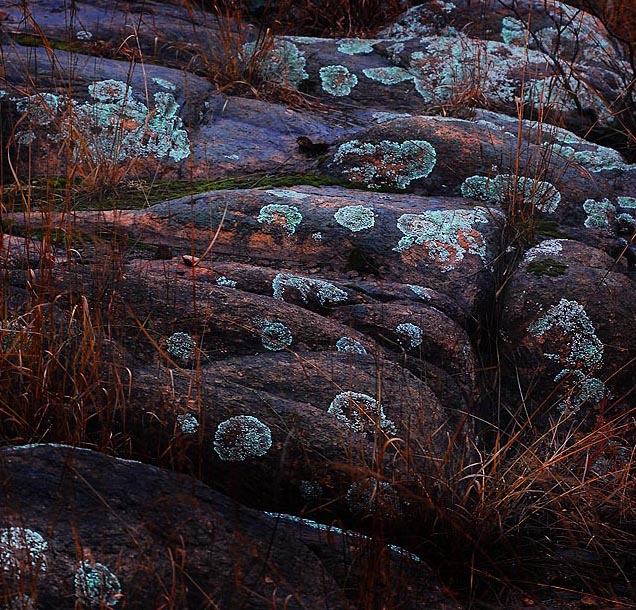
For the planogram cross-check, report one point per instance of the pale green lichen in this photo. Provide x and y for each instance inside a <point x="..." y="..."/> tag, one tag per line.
<point x="626" y="220"/>
<point x="283" y="64"/>
<point x="317" y="236"/>
<point x="311" y="490"/>
<point x="421" y="291"/>
<point x="569" y="94"/>
<point x="164" y="84"/>
<point x="600" y="214"/>
<point x="583" y="356"/>
<point x="113" y="125"/>
<point x="188" y="423"/>
<point x="181" y="346"/>
<point x="325" y="292"/>
<point x="355" y="46"/>
<point x="548" y="248"/>
<point x="286" y="216"/>
<point x="444" y="66"/>
<point x="337" y="80"/>
<point x="385" y="117"/>
<point x="287" y="194"/>
<point x="599" y="159"/>
<point x="355" y="217"/>
<point x="333" y="529"/>
<point x="275" y="336"/>
<point x="242" y="437"/>
<point x="388" y="75"/>
<point x="411" y="333"/>
<point x="350" y="346"/>
<point x="447" y="235"/>
<point x="24" y="138"/>
<point x="20" y="602"/>
<point x="22" y="551"/>
<point x="96" y="586"/>
<point x="360" y="413"/>
<point x="226" y="282"/>
<point x="627" y="202"/>
<point x="386" y="163"/>
<point x="514" y="31"/>
<point x="503" y="189"/>
<point x="41" y="109"/>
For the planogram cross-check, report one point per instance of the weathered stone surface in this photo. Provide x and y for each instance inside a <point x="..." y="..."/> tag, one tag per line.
<point x="322" y="347"/>
<point x="569" y="331"/>
<point x="81" y="527"/>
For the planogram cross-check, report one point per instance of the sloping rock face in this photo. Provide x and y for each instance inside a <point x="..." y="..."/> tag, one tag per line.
<point x="82" y="529"/>
<point x="425" y="210"/>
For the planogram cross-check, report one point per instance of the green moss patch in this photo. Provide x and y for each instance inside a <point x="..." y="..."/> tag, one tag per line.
<point x="547" y="266"/>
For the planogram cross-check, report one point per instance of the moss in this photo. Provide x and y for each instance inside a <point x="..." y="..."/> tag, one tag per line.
<point x="550" y="228"/>
<point x="547" y="266"/>
<point x="137" y="194"/>
<point x="31" y="40"/>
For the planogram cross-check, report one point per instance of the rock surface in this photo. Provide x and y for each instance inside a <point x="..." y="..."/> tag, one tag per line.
<point x="82" y="528"/>
<point x="313" y="335"/>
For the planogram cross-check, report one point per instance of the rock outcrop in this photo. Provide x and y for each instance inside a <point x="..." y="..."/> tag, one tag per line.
<point x="415" y="211"/>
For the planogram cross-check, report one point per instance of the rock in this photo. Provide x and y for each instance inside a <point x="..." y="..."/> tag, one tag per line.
<point x="81" y="527"/>
<point x="572" y="345"/>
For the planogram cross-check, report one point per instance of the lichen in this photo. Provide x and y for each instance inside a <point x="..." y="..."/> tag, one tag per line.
<point x="386" y="163"/>
<point x="410" y="332"/>
<point x="181" y="345"/>
<point x="337" y="80"/>
<point x="242" y="437"/>
<point x="310" y="490"/>
<point x="275" y="336"/>
<point x="83" y="35"/>
<point x="583" y="355"/>
<point x="283" y="64"/>
<point x="360" y="413"/>
<point x="286" y="216"/>
<point x="350" y="346"/>
<point x="226" y="282"/>
<point x="20" y="602"/>
<point x="447" y="235"/>
<point x="627" y="202"/>
<point x="326" y="293"/>
<point x="22" y="551"/>
<point x="96" y="586"/>
<point x="503" y="189"/>
<point x="600" y="214"/>
<point x="287" y="194"/>
<point x="188" y="423"/>
<point x="388" y="75"/>
<point x="385" y="117"/>
<point x="164" y="84"/>
<point x="548" y="247"/>
<point x="355" y="217"/>
<point x="355" y="46"/>
<point x="514" y="31"/>
<point x="598" y="159"/>
<point x="421" y="291"/>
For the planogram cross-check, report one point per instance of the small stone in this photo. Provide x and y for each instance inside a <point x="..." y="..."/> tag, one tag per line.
<point x="190" y="261"/>
<point x="314" y="270"/>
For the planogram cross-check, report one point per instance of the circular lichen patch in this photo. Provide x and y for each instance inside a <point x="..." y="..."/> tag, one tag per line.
<point x="242" y="437"/>
<point x="355" y="217"/>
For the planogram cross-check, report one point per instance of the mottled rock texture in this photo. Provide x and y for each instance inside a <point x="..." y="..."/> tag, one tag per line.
<point x="416" y="238"/>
